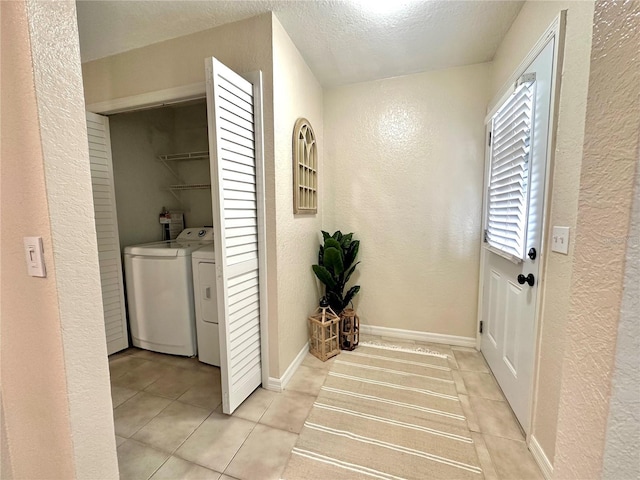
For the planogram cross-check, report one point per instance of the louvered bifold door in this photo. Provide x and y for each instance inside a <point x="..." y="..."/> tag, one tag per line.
<point x="104" y="204"/>
<point x="509" y="176"/>
<point x="234" y="186"/>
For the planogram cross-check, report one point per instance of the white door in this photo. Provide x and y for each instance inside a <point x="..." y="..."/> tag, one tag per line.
<point x="104" y="204"/>
<point x="514" y="208"/>
<point x="234" y="110"/>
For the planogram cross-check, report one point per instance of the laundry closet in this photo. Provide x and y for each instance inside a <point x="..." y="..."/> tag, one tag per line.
<point x="167" y="181"/>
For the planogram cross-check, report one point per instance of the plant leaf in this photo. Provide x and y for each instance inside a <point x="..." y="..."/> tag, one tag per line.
<point x="352" y="253"/>
<point x="337" y="235"/>
<point x="332" y="243"/>
<point x="333" y="261"/>
<point x="325" y="235"/>
<point x="335" y="302"/>
<point x="349" y="273"/>
<point x="350" y="294"/>
<point x="324" y="276"/>
<point x="321" y="255"/>
<point x="346" y="240"/>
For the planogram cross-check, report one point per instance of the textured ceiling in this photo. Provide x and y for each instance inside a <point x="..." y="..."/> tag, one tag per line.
<point x="342" y="41"/>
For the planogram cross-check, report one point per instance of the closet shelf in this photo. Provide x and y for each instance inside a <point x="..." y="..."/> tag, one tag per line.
<point x="190" y="186"/>
<point x="179" y="157"/>
<point x="173" y="157"/>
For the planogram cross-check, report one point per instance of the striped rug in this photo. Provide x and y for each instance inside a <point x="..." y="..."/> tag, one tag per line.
<point x="386" y="413"/>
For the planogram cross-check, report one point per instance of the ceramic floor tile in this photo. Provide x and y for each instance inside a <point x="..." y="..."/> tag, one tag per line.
<point x="172" y="426"/>
<point x="254" y="407"/>
<point x="176" y="381"/>
<point x="488" y="470"/>
<point x="495" y="418"/>
<point x="119" y="395"/>
<point x="175" y="468"/>
<point x="142" y="376"/>
<point x="288" y="411"/>
<point x="136" y="412"/>
<point x="512" y="459"/>
<point x="122" y="364"/>
<point x="120" y="440"/>
<point x="205" y="394"/>
<point x="263" y="455"/>
<point x="216" y="441"/>
<point x="307" y="380"/>
<point x="227" y="477"/>
<point x="473" y="361"/>
<point x="481" y="385"/>
<point x="137" y="461"/>
<point x="313" y="362"/>
<point x="457" y="378"/>
<point x="472" y="421"/>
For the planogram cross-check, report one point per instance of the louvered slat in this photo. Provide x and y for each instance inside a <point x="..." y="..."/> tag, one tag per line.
<point x="507" y="200"/>
<point x="107" y="233"/>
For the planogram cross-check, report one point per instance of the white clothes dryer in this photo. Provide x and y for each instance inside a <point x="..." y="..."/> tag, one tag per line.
<point x="160" y="292"/>
<point x="204" y="291"/>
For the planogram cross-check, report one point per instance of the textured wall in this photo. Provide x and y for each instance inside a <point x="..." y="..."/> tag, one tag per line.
<point x="243" y="46"/>
<point x="58" y="414"/>
<point x="36" y="412"/>
<point x="58" y="82"/>
<point x="611" y="149"/>
<point x="533" y="20"/>
<point x="296" y="93"/>
<point x="622" y="450"/>
<point x="405" y="163"/>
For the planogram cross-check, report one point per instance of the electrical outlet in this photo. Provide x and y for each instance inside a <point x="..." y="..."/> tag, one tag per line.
<point x="560" y="240"/>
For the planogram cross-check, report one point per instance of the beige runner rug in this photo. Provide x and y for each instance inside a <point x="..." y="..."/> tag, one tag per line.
<point x="386" y="413"/>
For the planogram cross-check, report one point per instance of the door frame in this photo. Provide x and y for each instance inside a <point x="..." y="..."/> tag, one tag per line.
<point x="556" y="30"/>
<point x="185" y="93"/>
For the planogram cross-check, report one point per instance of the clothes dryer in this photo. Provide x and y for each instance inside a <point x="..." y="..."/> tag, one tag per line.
<point x="204" y="290"/>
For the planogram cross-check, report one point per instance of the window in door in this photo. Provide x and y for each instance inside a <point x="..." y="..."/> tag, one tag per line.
<point x="508" y="195"/>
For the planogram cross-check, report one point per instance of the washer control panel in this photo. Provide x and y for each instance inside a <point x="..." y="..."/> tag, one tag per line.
<point x="202" y="234"/>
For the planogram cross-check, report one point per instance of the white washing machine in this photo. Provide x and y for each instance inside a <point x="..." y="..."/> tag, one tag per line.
<point x="160" y="292"/>
<point x="204" y="291"/>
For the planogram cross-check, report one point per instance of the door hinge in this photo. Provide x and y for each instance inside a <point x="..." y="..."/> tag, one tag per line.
<point x="486" y="235"/>
<point x="481" y="323"/>
<point x="489" y="138"/>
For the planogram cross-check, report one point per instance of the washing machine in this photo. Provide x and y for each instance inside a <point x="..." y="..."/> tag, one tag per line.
<point x="204" y="291"/>
<point x="160" y="292"/>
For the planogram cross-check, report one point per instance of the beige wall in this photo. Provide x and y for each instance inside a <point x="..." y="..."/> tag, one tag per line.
<point x="243" y="46"/>
<point x="405" y="163"/>
<point x="610" y="164"/>
<point x="57" y="414"/>
<point x="531" y="23"/>
<point x="296" y="93"/>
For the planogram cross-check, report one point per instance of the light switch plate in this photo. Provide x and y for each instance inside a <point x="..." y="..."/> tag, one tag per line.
<point x="34" y="254"/>
<point x="560" y="240"/>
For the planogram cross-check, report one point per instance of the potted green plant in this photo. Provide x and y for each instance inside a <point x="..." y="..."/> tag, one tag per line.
<point x="336" y="264"/>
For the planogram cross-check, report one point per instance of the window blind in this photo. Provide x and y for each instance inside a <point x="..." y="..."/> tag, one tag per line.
<point x="508" y="195"/>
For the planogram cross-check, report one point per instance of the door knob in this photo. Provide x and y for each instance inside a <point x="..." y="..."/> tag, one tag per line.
<point x="532" y="253"/>
<point x="530" y="279"/>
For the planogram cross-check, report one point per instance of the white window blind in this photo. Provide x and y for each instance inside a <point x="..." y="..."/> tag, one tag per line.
<point x="508" y="195"/>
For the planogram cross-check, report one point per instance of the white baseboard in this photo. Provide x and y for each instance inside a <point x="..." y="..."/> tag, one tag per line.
<point x="540" y="458"/>
<point x="279" y="384"/>
<point x="420" y="336"/>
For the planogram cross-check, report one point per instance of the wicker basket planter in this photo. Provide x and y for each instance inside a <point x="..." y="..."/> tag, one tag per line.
<point x="324" y="333"/>
<point x="349" y="329"/>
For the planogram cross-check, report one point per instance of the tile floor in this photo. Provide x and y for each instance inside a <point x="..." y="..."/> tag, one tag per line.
<point x="169" y="425"/>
